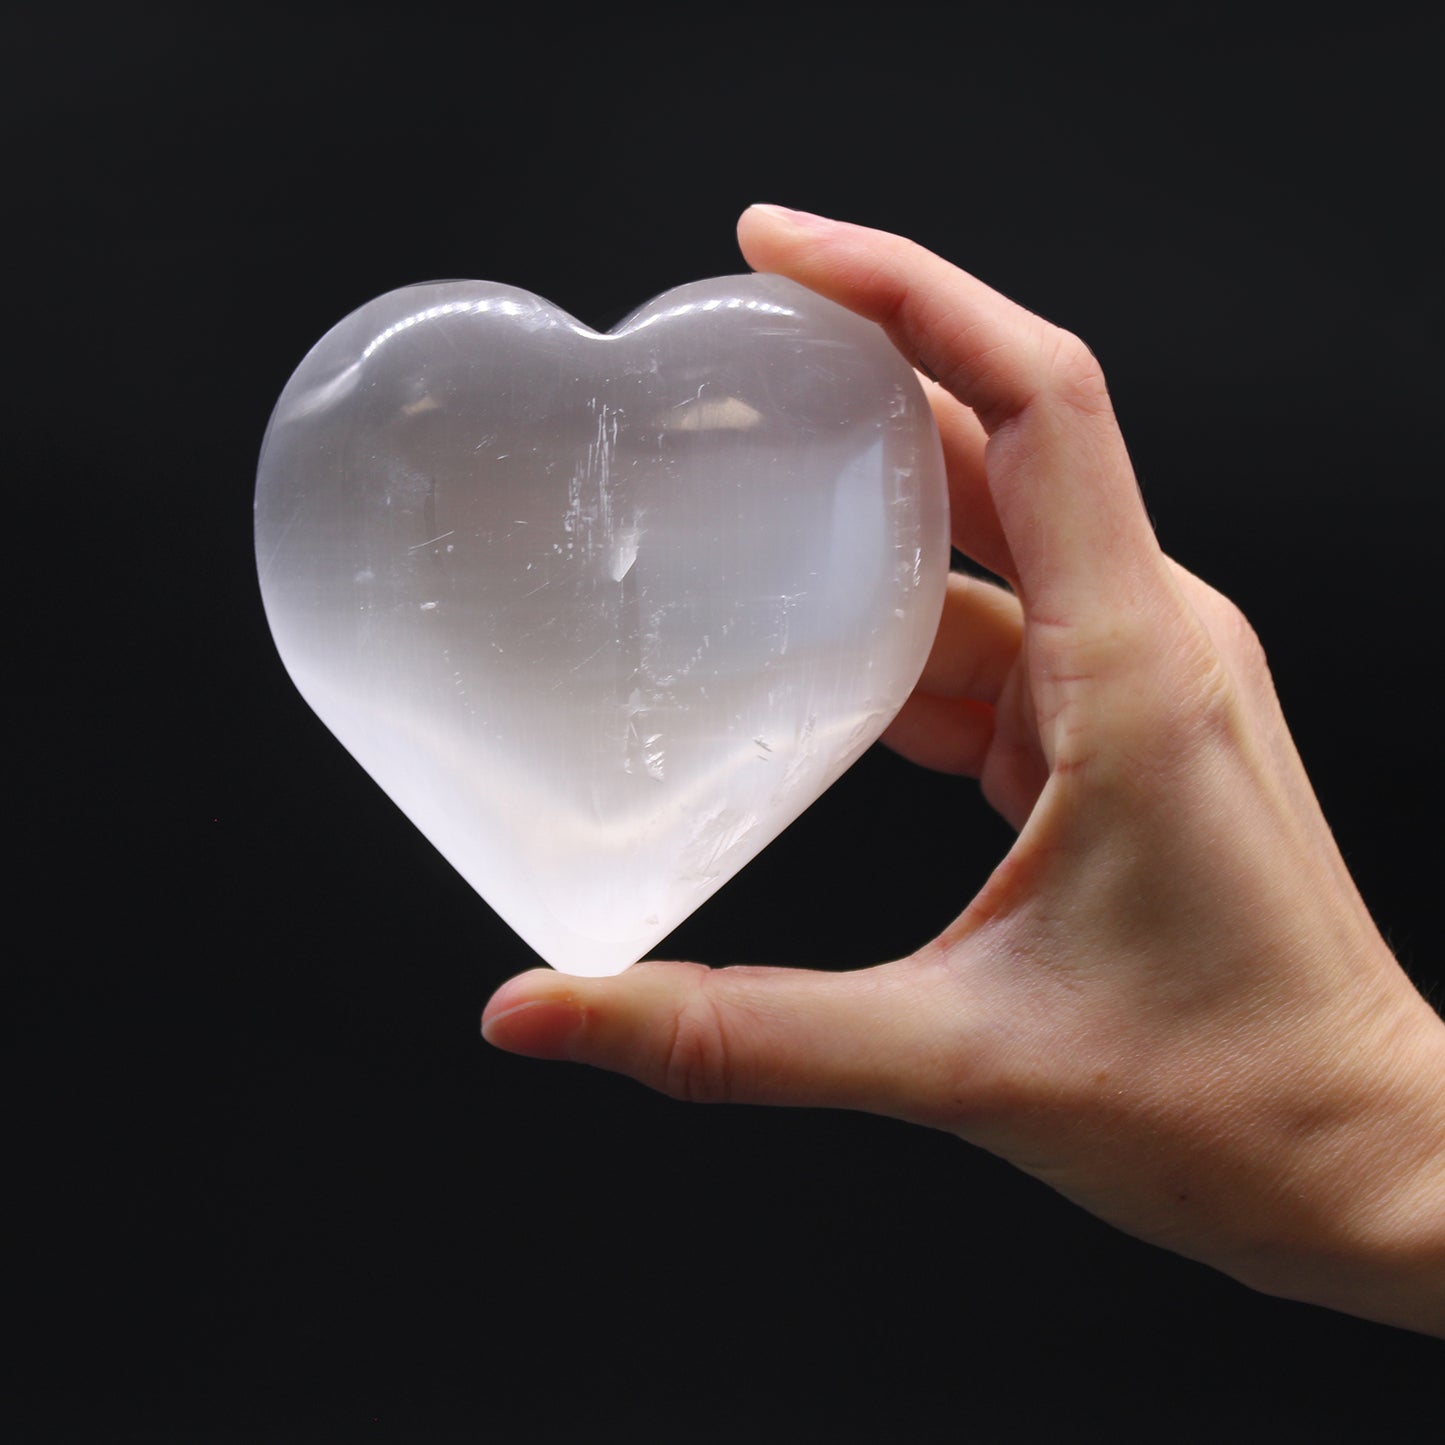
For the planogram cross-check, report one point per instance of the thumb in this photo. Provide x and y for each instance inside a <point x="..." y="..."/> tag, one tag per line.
<point x="863" y="1040"/>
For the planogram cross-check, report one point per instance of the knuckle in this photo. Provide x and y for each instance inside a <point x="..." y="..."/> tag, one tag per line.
<point x="1170" y="696"/>
<point x="697" y="1067"/>
<point x="1201" y="711"/>
<point x="1240" y="641"/>
<point x="1228" y="670"/>
<point x="1073" y="374"/>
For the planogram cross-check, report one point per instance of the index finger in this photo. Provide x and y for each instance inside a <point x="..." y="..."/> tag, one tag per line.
<point x="1058" y="471"/>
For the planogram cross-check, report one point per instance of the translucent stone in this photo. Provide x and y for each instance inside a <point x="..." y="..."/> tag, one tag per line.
<point x="602" y="613"/>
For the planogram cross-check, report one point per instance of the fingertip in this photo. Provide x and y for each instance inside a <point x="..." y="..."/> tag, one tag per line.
<point x="536" y="1014"/>
<point x="784" y="215"/>
<point x="544" y="1014"/>
<point x="764" y="231"/>
<point x="539" y="1028"/>
<point x="535" y="983"/>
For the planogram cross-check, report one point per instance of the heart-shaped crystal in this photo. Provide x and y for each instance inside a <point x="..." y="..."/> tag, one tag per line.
<point x="603" y="613"/>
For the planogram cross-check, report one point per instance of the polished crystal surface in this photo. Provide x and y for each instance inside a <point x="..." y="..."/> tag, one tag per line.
<point x="602" y="613"/>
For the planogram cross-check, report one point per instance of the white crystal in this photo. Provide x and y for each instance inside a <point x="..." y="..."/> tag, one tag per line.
<point x="602" y="613"/>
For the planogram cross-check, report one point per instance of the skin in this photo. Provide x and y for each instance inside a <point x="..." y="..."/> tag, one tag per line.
<point x="1168" y="1001"/>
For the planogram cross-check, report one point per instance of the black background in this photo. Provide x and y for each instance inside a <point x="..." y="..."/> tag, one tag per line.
<point x="270" y="1184"/>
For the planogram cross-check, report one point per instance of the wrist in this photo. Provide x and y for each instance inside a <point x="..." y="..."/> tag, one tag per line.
<point x="1372" y="1243"/>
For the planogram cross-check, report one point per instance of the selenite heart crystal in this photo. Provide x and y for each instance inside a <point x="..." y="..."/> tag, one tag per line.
<point x="603" y="613"/>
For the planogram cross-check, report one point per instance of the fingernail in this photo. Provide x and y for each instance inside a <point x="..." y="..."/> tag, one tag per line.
<point x="542" y="1028"/>
<point x="793" y="218"/>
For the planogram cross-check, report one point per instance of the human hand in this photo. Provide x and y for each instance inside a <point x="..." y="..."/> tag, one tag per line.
<point x="1168" y="1002"/>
